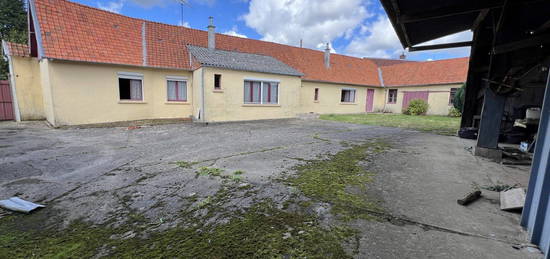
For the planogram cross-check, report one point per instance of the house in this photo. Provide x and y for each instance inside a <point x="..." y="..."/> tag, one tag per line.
<point x="84" y="65"/>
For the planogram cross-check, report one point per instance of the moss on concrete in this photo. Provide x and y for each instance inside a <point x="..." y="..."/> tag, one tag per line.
<point x="339" y="180"/>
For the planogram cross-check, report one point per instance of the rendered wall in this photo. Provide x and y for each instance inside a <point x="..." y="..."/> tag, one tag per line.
<point x="438" y="98"/>
<point x="27" y="87"/>
<point x="84" y="93"/>
<point x="228" y="103"/>
<point x="329" y="98"/>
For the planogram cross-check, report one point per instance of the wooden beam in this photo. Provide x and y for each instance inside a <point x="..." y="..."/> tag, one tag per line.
<point x="521" y="44"/>
<point x="442" y="46"/>
<point x="480" y="18"/>
<point x="447" y="11"/>
<point x="456" y="10"/>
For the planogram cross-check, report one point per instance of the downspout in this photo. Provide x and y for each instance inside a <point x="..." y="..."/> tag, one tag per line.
<point x="202" y="113"/>
<point x="11" y="77"/>
<point x="381" y="77"/>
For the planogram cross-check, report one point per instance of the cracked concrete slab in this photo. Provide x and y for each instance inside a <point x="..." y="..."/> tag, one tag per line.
<point x="101" y="174"/>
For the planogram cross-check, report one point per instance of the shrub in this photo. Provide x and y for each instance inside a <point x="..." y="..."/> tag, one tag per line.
<point x="454" y="112"/>
<point x="417" y="107"/>
<point x="458" y="101"/>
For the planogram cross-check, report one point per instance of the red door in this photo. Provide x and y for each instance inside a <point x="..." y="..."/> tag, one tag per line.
<point x="408" y="96"/>
<point x="6" y="105"/>
<point x="370" y="100"/>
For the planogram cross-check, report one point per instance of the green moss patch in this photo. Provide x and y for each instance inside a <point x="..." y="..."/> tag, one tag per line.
<point x="339" y="180"/>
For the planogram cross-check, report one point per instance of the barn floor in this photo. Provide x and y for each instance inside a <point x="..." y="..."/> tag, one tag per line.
<point x="285" y="187"/>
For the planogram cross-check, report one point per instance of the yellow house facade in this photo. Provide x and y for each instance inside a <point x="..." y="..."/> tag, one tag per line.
<point x="213" y="78"/>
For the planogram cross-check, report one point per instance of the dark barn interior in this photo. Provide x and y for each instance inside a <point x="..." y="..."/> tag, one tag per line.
<point x="507" y="80"/>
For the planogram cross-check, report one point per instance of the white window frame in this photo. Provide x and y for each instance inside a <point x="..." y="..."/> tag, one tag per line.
<point x="178" y="79"/>
<point x="349" y="89"/>
<point x="262" y="81"/>
<point x="134" y="76"/>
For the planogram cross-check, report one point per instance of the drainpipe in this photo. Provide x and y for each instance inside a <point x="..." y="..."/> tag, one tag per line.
<point x="202" y="113"/>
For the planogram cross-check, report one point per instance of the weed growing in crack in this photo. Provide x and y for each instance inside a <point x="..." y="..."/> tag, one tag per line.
<point x="185" y="164"/>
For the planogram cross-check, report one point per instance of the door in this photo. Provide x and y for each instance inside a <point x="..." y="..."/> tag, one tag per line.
<point x="6" y="105"/>
<point x="370" y="100"/>
<point x="408" y="96"/>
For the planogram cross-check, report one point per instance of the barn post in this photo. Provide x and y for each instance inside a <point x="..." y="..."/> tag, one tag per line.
<point x="537" y="203"/>
<point x="489" y="126"/>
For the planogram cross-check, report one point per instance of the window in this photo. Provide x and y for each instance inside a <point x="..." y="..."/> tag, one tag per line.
<point x="177" y="90"/>
<point x="261" y="92"/>
<point x="316" y="95"/>
<point x="217" y="82"/>
<point x="452" y="96"/>
<point x="348" y="96"/>
<point x="130" y="86"/>
<point x="392" y="96"/>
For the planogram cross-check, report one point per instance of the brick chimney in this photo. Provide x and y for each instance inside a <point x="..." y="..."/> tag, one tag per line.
<point x="211" y="33"/>
<point x="402" y="56"/>
<point x="327" y="56"/>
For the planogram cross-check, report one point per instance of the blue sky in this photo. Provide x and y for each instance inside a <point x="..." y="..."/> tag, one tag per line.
<point x="353" y="27"/>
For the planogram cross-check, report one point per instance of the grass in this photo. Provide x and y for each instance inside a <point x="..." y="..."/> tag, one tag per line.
<point x="442" y="125"/>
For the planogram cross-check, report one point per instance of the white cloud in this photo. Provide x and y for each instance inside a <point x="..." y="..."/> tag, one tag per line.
<point x="378" y="39"/>
<point x="184" y="24"/>
<point x="114" y="6"/>
<point x="313" y="21"/>
<point x="234" y="32"/>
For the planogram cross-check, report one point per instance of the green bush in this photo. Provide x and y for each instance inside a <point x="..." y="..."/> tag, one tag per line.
<point x="454" y="112"/>
<point x="417" y="107"/>
<point x="458" y="101"/>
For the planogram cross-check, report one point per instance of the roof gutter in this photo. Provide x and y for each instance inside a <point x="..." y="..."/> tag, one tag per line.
<point x="339" y="83"/>
<point x="117" y="64"/>
<point x="37" y="30"/>
<point x="11" y="77"/>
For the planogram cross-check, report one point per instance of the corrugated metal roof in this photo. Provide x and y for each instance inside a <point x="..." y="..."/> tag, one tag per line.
<point x="241" y="61"/>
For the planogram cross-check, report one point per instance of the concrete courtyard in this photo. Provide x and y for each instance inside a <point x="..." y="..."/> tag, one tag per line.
<point x="152" y="176"/>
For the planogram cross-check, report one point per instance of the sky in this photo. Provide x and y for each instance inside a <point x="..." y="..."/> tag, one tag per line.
<point x="357" y="28"/>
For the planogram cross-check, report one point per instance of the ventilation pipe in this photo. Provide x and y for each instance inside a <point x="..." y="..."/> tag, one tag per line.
<point x="211" y="33"/>
<point x="327" y="56"/>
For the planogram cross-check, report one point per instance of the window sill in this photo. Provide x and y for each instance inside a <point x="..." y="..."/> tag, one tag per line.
<point x="316" y="101"/>
<point x="218" y="91"/>
<point x="261" y="105"/>
<point x="348" y="103"/>
<point x="391" y="103"/>
<point x="131" y="102"/>
<point x="177" y="102"/>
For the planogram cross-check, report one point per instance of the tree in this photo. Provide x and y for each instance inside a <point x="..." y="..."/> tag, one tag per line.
<point x="458" y="101"/>
<point x="13" y="26"/>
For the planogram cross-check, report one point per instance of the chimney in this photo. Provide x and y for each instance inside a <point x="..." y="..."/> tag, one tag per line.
<point x="402" y="56"/>
<point x="211" y="33"/>
<point x="327" y="56"/>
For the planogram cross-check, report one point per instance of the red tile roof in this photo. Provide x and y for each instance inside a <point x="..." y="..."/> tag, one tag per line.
<point x="72" y="31"/>
<point x="16" y="49"/>
<point x="382" y="62"/>
<point x="426" y="73"/>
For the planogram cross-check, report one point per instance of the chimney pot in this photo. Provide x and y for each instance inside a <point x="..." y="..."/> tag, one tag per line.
<point x="327" y="56"/>
<point x="211" y="33"/>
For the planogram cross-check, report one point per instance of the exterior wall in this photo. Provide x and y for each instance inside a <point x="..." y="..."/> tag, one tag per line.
<point x="329" y="98"/>
<point x="26" y="72"/>
<point x="84" y="93"/>
<point x="438" y="98"/>
<point x="227" y="104"/>
<point x="47" y="95"/>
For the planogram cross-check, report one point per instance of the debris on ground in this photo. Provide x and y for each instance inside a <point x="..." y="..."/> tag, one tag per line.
<point x="512" y="199"/>
<point x="133" y="127"/>
<point x="19" y="205"/>
<point x="499" y="187"/>
<point x="469" y="198"/>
